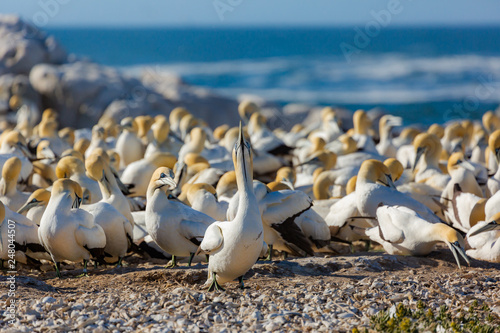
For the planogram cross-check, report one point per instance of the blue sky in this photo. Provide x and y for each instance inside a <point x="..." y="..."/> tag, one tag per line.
<point x="220" y="13"/>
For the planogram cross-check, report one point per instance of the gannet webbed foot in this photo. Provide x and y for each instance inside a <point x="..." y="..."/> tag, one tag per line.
<point x="191" y="256"/>
<point x="215" y="285"/>
<point x="172" y="263"/>
<point x="270" y="255"/>
<point x="85" y="272"/>
<point x="242" y="285"/>
<point x="58" y="269"/>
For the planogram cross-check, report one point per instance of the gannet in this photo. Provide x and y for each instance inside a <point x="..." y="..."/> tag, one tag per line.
<point x="144" y="124"/>
<point x="67" y="134"/>
<point x="98" y="140"/>
<point x="161" y="140"/>
<point x="493" y="183"/>
<point x="402" y="231"/>
<point x="245" y="109"/>
<point x="263" y="138"/>
<point x="43" y="175"/>
<point x="128" y="145"/>
<point x="27" y="245"/>
<point x="174" y="226"/>
<point x="67" y="232"/>
<point x="235" y="245"/>
<point x="14" y="144"/>
<point x="362" y="124"/>
<point x="9" y="194"/>
<point x="375" y="186"/>
<point x="98" y="170"/>
<point x="74" y="169"/>
<point x="138" y="174"/>
<point x="426" y="165"/>
<point x="484" y="240"/>
<point x="386" y="124"/>
<point x="47" y="130"/>
<point x="202" y="197"/>
<point x="35" y="206"/>
<point x="227" y="186"/>
<point x="175" y="118"/>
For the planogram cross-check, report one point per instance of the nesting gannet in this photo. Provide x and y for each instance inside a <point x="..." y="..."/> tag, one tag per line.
<point x="202" y="197"/>
<point x="74" y="169"/>
<point x="484" y="240"/>
<point x="98" y="140"/>
<point x="43" y="175"/>
<point x="27" y="245"/>
<point x="144" y="124"/>
<point x="128" y="145"/>
<point x="235" y="245"/>
<point x="402" y="231"/>
<point x="108" y="212"/>
<point x="263" y="138"/>
<point x="67" y="232"/>
<point x="35" y="205"/>
<point x="375" y="186"/>
<point x="47" y="130"/>
<point x="138" y="174"/>
<point x="67" y="134"/>
<point x="344" y="145"/>
<point x="162" y="142"/>
<point x="9" y="194"/>
<point x="174" y="226"/>
<point x="362" y="124"/>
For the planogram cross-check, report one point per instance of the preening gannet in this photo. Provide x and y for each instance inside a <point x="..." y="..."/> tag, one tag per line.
<point x="174" y="226"/>
<point x="235" y="245"/>
<point x="402" y="231"/>
<point x="67" y="232"/>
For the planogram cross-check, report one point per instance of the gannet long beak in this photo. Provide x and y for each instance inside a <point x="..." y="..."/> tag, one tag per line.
<point x="456" y="247"/>
<point x="27" y="207"/>
<point x="24" y="149"/>
<point x="390" y="182"/>
<point x="420" y="152"/>
<point x="467" y="165"/>
<point x="77" y="202"/>
<point x="487" y="227"/>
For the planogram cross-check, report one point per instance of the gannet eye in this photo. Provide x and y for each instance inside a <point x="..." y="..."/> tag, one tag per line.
<point x="459" y="161"/>
<point x="162" y="175"/>
<point x="34" y="200"/>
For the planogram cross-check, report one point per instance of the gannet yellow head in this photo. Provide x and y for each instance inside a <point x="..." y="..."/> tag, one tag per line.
<point x="176" y="115"/>
<point x="161" y="129"/>
<point x="193" y="158"/>
<point x="491" y="122"/>
<point x="395" y="168"/>
<point x="14" y="139"/>
<point x="453" y="239"/>
<point x="317" y="144"/>
<point x="326" y="112"/>
<point x="72" y="152"/>
<point x="198" y="138"/>
<point x="457" y="160"/>
<point x="493" y="224"/>
<point x="349" y="145"/>
<point x="322" y="185"/>
<point x="98" y="132"/>
<point x="114" y="159"/>
<point x="47" y="129"/>
<point x="40" y="197"/>
<point x="325" y="159"/>
<point x="387" y="122"/>
<point x="95" y="166"/>
<point x="278" y="186"/>
<point x="437" y="130"/>
<point x="129" y="124"/>
<point x="15" y="102"/>
<point x="351" y="185"/>
<point x="187" y="124"/>
<point x="81" y="146"/>
<point x="226" y="184"/>
<point x="361" y="122"/>
<point x="49" y="114"/>
<point x="494" y="144"/>
<point x="246" y="109"/>
<point x="242" y="157"/>
<point x="45" y="171"/>
<point x="68" y="135"/>
<point x="160" y="159"/>
<point x="71" y="188"/>
<point x="428" y="145"/>
<point x="373" y="171"/>
<point x="195" y="188"/>
<point x="43" y="150"/>
<point x="2" y="212"/>
<point x="257" y="121"/>
<point x="163" y="178"/>
<point x="220" y="131"/>
<point x="144" y="124"/>
<point x="69" y="165"/>
<point x="11" y="169"/>
<point x="286" y="173"/>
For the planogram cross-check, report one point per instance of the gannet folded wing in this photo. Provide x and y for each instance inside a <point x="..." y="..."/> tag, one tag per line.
<point x="213" y="239"/>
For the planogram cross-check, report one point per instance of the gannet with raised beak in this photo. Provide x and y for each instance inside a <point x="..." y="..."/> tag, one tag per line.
<point x="68" y="232"/>
<point x="234" y="246"/>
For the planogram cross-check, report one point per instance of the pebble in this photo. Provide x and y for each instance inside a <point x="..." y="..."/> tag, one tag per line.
<point x="48" y="299"/>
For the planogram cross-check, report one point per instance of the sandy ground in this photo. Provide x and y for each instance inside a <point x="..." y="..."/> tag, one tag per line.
<point x="328" y="293"/>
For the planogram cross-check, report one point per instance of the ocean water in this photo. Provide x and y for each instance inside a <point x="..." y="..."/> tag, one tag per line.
<point x="425" y="75"/>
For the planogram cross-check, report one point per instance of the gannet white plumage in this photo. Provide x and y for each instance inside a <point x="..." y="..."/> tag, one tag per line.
<point x="9" y="194"/>
<point x="235" y="245"/>
<point x="67" y="232"/>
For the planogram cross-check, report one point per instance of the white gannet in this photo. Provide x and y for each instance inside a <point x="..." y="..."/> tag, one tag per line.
<point x="202" y="197"/>
<point x="174" y="226"/>
<point x="162" y="142"/>
<point x="74" y="169"/>
<point x="67" y="232"/>
<point x="9" y="194"/>
<point x="386" y="147"/>
<point x="362" y="124"/>
<point x="144" y="124"/>
<point x="138" y="174"/>
<point x="98" y="140"/>
<point x="35" y="205"/>
<point x="484" y="240"/>
<point x="402" y="231"/>
<point x="374" y="187"/>
<point x="263" y="139"/>
<point x="426" y="165"/>
<point x="493" y="183"/>
<point x="234" y="246"/>
<point x="128" y="145"/>
<point x="14" y="144"/>
<point x="117" y="227"/>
